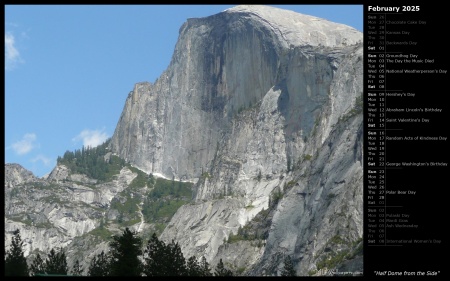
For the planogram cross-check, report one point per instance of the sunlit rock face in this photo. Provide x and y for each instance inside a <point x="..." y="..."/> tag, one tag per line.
<point x="261" y="108"/>
<point x="250" y="94"/>
<point x="221" y="66"/>
<point x="54" y="212"/>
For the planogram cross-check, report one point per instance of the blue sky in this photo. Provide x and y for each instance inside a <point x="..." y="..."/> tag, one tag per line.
<point x="69" y="69"/>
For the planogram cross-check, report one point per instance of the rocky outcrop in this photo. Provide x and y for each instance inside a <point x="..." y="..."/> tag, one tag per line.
<point x="16" y="174"/>
<point x="322" y="213"/>
<point x="58" y="211"/>
<point x="272" y="140"/>
<point x="222" y="65"/>
<point x="294" y="29"/>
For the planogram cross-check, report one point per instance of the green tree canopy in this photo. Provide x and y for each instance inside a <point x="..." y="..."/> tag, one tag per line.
<point x="205" y="269"/>
<point x="125" y="252"/>
<point x="100" y="265"/>
<point x="77" y="269"/>
<point x="164" y="260"/>
<point x="193" y="267"/>
<point x="155" y="257"/>
<point x="91" y="162"/>
<point x="15" y="262"/>
<point x="221" y="270"/>
<point x="56" y="263"/>
<point x="176" y="261"/>
<point x="288" y="269"/>
<point x="38" y="266"/>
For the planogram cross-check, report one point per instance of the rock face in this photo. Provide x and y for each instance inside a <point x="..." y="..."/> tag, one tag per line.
<point x="255" y="98"/>
<point x="262" y="109"/>
<point x="222" y="65"/>
<point x="57" y="211"/>
<point x="16" y="174"/>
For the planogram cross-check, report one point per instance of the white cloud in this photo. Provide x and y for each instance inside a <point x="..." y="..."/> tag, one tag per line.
<point x="25" y="145"/>
<point x="12" y="55"/>
<point x="13" y="24"/>
<point x="92" y="138"/>
<point x="47" y="161"/>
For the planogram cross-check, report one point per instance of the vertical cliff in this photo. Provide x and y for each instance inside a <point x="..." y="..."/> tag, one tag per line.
<point x="222" y="65"/>
<point x="256" y="100"/>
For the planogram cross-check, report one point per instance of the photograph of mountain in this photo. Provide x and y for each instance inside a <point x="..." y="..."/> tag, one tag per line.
<point x="243" y="157"/>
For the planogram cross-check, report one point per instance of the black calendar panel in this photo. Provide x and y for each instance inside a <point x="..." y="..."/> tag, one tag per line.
<point x="406" y="140"/>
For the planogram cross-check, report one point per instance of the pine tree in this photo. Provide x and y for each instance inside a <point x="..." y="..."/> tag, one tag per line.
<point x="15" y="262"/>
<point x="193" y="267"/>
<point x="155" y="257"/>
<point x="205" y="270"/>
<point x="38" y="266"/>
<point x="56" y="263"/>
<point x="77" y="269"/>
<point x="221" y="270"/>
<point x="288" y="269"/>
<point x="125" y="252"/>
<point x="100" y="265"/>
<point x="176" y="261"/>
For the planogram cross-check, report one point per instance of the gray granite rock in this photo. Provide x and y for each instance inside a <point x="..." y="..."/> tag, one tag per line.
<point x="261" y="108"/>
